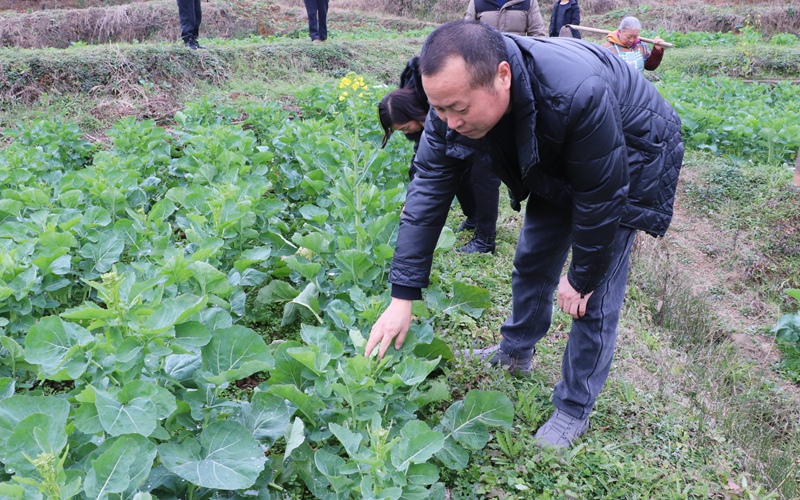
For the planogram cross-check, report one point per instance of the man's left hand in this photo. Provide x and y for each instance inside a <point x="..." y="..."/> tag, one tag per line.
<point x="570" y="301"/>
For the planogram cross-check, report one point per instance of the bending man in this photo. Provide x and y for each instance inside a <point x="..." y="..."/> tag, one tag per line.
<point x="595" y="152"/>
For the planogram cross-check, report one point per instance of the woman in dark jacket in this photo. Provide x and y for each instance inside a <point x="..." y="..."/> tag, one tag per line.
<point x="565" y="12"/>
<point x="405" y="109"/>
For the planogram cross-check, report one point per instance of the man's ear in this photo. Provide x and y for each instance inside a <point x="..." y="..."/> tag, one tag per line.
<point x="504" y="75"/>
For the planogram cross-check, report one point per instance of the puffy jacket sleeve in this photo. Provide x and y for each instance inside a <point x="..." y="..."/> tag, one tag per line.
<point x="597" y="168"/>
<point x="535" y="22"/>
<point x="470" y="16"/>
<point x="427" y="205"/>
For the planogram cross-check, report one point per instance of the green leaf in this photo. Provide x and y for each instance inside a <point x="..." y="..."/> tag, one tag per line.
<point x="793" y="292"/>
<point x="226" y="457"/>
<point x="295" y="438"/>
<point x="447" y="239"/>
<point x="266" y="416"/>
<point x="422" y="473"/>
<point x="354" y="264"/>
<point x="788" y="328"/>
<point x="467" y="420"/>
<point x="307" y="270"/>
<point x="467" y="299"/>
<point x="452" y="455"/>
<point x="173" y="311"/>
<point x="322" y="338"/>
<point x="16" y="408"/>
<point x="104" y="254"/>
<point x="192" y="334"/>
<point x="349" y="439"/>
<point x="305" y="302"/>
<point x="7" y="385"/>
<point x="235" y="353"/>
<point x="88" y="311"/>
<point x="417" y="445"/>
<point x="276" y="291"/>
<point x="413" y="371"/>
<point x="52" y="342"/>
<point x="210" y="279"/>
<point x="34" y="435"/>
<point x="310" y="405"/>
<point x="318" y="243"/>
<point x="119" y="465"/>
<point x="128" y="411"/>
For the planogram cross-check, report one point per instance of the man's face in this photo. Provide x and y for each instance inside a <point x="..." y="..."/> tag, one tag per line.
<point x="472" y="112"/>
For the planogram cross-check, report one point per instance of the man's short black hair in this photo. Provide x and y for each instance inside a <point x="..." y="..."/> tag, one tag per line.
<point x="482" y="47"/>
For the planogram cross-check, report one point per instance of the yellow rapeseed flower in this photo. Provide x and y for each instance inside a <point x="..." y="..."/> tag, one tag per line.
<point x="341" y="98"/>
<point x="346" y="81"/>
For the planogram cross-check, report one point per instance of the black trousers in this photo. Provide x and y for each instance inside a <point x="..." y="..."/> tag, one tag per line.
<point x="317" y="11"/>
<point x="190" y="14"/>
<point x="485" y="200"/>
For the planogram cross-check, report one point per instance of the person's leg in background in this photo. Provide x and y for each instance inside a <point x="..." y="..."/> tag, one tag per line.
<point x="322" y="10"/>
<point x="466" y="198"/>
<point x="187" y="11"/>
<point x="486" y="188"/>
<point x="313" y="25"/>
<point x="198" y="18"/>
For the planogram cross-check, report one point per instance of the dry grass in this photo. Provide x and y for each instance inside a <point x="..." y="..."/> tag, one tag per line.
<point x="156" y="21"/>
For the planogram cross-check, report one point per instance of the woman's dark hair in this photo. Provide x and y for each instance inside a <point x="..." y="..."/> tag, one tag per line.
<point x="481" y="47"/>
<point x="398" y="107"/>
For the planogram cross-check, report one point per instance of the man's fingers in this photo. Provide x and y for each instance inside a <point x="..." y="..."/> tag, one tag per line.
<point x="398" y="343"/>
<point x="385" y="343"/>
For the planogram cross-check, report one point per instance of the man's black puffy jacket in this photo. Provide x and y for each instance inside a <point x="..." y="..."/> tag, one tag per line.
<point x="591" y="134"/>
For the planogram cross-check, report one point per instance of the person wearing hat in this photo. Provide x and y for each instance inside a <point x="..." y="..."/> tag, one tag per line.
<point x="405" y="109"/>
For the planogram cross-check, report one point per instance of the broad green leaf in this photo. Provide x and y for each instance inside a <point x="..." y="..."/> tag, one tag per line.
<point x="417" y="444"/>
<point x="266" y="416"/>
<point x="422" y="473"/>
<point x="793" y="292"/>
<point x="13" y="492"/>
<point x="318" y="243"/>
<point x="354" y="264"/>
<point x="309" y="404"/>
<point x="52" y="342"/>
<point x="235" y="353"/>
<point x="210" y="279"/>
<point x="321" y="337"/>
<point x="311" y="358"/>
<point x="119" y="465"/>
<point x="467" y="299"/>
<point x="192" y="334"/>
<point x="349" y="439"/>
<point x="412" y="371"/>
<point x="295" y="438"/>
<point x="307" y="270"/>
<point x="128" y="411"/>
<point x="103" y="254"/>
<point x="88" y="311"/>
<point x="788" y="328"/>
<point x="467" y="420"/>
<point x="453" y="455"/>
<point x="438" y="348"/>
<point x="306" y="302"/>
<point x="314" y="213"/>
<point x="35" y="434"/>
<point x="276" y="291"/>
<point x="447" y="239"/>
<point x="226" y="457"/>
<point x="173" y="311"/>
<point x="7" y="385"/>
<point x="16" y="408"/>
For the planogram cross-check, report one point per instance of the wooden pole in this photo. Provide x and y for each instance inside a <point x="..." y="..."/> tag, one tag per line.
<point x="797" y="170"/>
<point x="606" y="32"/>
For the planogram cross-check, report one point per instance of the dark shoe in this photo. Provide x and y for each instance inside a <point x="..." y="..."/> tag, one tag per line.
<point x="496" y="357"/>
<point x="197" y="44"/>
<point x="191" y="44"/>
<point x="560" y="430"/>
<point x="469" y="224"/>
<point x="479" y="244"/>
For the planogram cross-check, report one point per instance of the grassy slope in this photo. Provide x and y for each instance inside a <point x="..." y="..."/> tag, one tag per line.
<point x="689" y="410"/>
